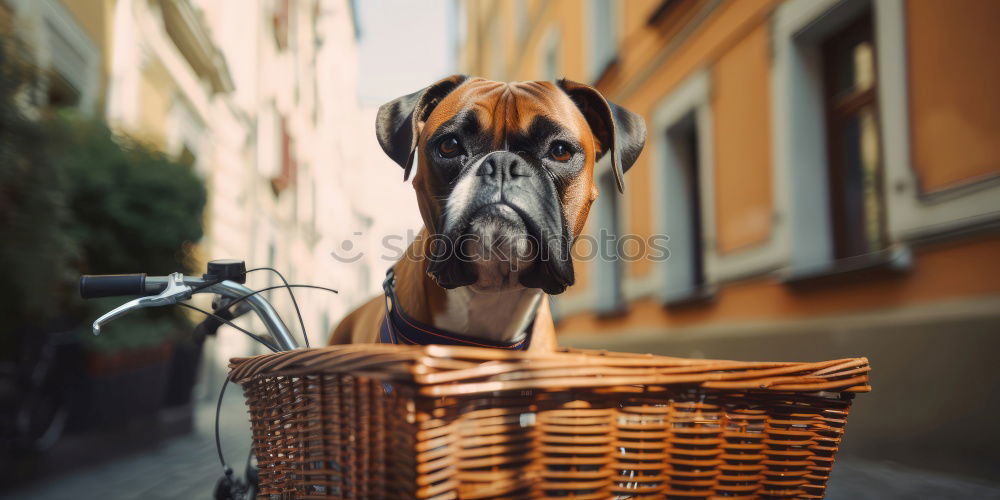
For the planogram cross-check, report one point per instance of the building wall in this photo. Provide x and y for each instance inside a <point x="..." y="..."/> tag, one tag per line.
<point x="955" y="106"/>
<point x="941" y="272"/>
<point x="746" y="72"/>
<point x="750" y="236"/>
<point x="288" y="212"/>
<point x="741" y="112"/>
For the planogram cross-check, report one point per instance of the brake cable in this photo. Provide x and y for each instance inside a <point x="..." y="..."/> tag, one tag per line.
<point x="302" y="323"/>
<point x="226" y="469"/>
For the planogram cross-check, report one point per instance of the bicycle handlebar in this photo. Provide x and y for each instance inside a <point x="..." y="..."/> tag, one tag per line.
<point x="113" y="285"/>
<point x="168" y="290"/>
<point x="95" y="286"/>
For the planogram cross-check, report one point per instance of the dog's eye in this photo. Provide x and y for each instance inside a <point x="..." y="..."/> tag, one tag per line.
<point x="450" y="147"/>
<point x="560" y="151"/>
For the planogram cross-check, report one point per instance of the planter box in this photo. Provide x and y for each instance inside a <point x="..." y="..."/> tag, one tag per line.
<point x="184" y="366"/>
<point x="120" y="387"/>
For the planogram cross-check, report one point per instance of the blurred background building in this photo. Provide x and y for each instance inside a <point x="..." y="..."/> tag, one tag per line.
<point x="260" y="98"/>
<point x="828" y="175"/>
<point x="826" y="172"/>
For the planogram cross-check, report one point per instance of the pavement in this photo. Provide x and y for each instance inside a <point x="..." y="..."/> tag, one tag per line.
<point x="187" y="468"/>
<point x="854" y="479"/>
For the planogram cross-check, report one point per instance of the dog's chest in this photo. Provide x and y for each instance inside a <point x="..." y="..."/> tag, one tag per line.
<point x="498" y="316"/>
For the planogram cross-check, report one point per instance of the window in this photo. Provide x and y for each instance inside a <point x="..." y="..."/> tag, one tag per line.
<point x="551" y="64"/>
<point x="68" y="58"/>
<point x="687" y="253"/>
<point x="279" y="22"/>
<point x="608" y="275"/>
<point x="840" y="133"/>
<point x="187" y="157"/>
<point x="603" y="37"/>
<point x="185" y="133"/>
<point x="69" y="69"/>
<point x="681" y="142"/>
<point x="61" y="93"/>
<point x="286" y="176"/>
<point x="855" y="172"/>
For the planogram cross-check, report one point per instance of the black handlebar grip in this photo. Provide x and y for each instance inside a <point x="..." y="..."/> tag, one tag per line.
<point x="111" y="285"/>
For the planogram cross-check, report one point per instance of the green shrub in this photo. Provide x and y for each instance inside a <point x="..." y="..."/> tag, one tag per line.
<point x="76" y="198"/>
<point x="134" y="210"/>
<point x="37" y="251"/>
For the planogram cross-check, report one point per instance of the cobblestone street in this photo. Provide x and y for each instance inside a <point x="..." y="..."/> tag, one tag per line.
<point x="187" y="468"/>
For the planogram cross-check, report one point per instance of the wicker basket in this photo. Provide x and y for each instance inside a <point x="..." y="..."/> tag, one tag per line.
<point x="387" y="421"/>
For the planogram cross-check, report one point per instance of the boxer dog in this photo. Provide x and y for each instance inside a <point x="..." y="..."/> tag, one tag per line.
<point x="504" y="183"/>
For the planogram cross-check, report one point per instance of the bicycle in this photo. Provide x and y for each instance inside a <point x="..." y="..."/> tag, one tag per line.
<point x="225" y="279"/>
<point x="440" y="413"/>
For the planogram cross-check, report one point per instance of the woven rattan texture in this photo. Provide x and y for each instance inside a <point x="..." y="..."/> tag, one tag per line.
<point x="444" y="422"/>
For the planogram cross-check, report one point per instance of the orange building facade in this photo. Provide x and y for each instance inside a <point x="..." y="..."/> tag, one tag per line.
<point x="811" y="164"/>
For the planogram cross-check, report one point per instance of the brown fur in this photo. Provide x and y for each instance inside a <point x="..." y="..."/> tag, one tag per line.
<point x="508" y="107"/>
<point x="512" y="106"/>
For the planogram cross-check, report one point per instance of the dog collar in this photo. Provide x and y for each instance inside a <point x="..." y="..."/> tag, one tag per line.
<point x="399" y="328"/>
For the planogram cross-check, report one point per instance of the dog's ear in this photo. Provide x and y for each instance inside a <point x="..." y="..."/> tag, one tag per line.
<point x="619" y="131"/>
<point x="398" y="121"/>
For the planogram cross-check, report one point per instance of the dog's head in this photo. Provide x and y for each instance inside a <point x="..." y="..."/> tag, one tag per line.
<point x="505" y="175"/>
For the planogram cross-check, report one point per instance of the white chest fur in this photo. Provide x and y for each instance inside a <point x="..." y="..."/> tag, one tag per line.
<point x="498" y="316"/>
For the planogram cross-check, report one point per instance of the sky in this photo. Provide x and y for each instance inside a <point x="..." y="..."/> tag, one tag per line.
<point x="405" y="45"/>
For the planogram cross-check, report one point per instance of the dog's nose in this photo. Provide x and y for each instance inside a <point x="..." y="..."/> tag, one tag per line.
<point x="504" y="166"/>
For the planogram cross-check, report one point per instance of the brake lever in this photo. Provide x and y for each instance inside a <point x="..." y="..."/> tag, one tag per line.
<point x="175" y="292"/>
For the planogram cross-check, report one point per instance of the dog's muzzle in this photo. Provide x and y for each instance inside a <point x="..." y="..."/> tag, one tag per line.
<point x="508" y="206"/>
